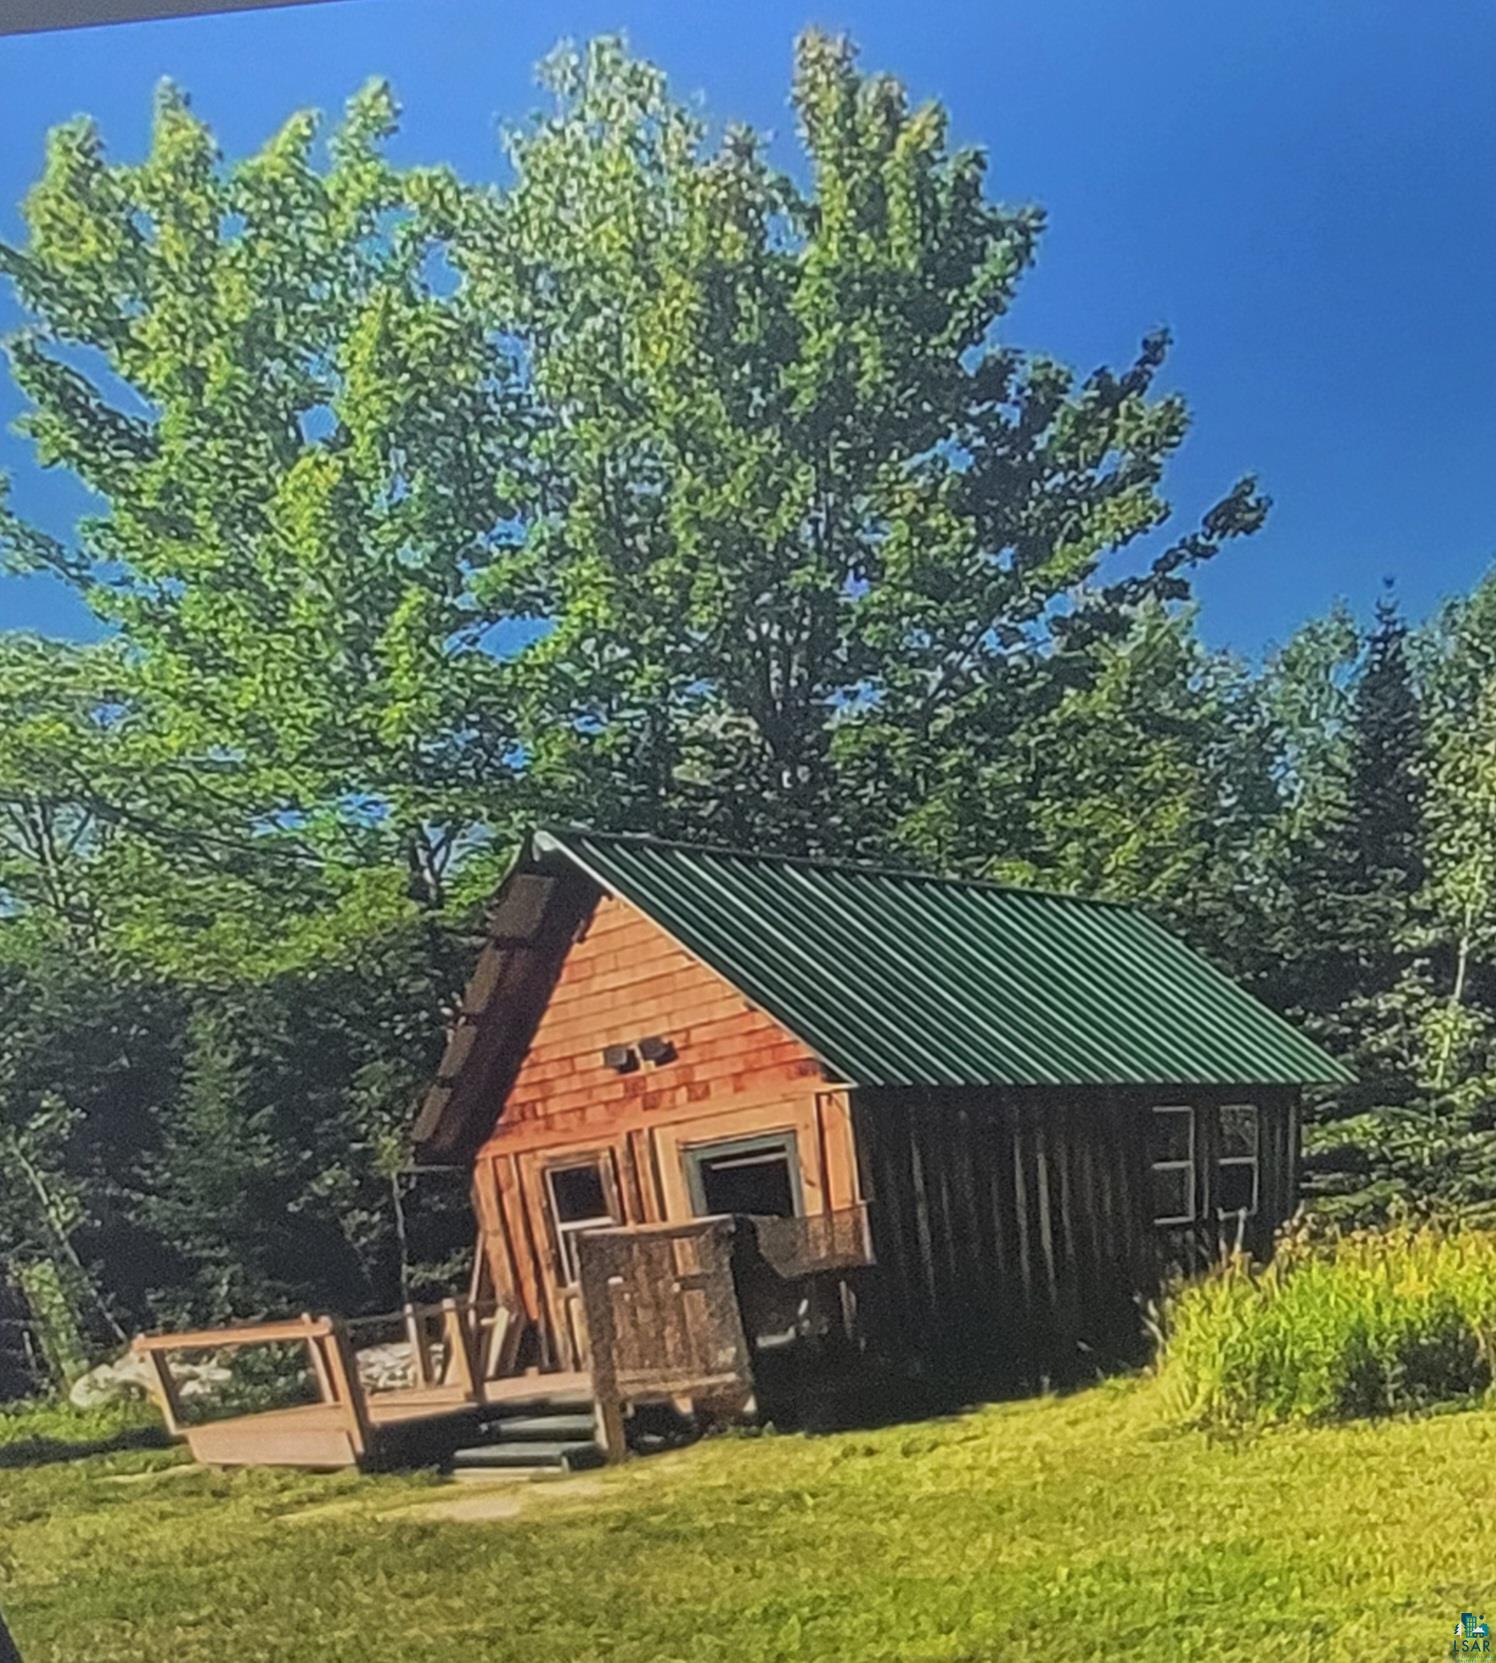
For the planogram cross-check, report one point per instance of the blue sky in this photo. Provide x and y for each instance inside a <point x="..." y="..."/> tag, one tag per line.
<point x="1303" y="190"/>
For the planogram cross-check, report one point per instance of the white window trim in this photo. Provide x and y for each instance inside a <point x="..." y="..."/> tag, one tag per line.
<point x="1186" y="1164"/>
<point x="576" y="1226"/>
<point x="1254" y="1160"/>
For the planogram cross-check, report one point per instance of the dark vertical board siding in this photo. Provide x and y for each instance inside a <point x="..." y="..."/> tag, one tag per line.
<point x="1013" y="1231"/>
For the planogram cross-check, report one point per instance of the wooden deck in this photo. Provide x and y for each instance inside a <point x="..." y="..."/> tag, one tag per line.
<point x="414" y="1423"/>
<point x="352" y="1425"/>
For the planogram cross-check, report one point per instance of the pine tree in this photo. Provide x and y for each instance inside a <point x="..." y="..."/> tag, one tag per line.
<point x="1355" y="929"/>
<point x="1385" y="858"/>
<point x="1352" y="861"/>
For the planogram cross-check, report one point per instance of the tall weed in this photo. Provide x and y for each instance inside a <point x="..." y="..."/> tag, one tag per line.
<point x="1340" y="1325"/>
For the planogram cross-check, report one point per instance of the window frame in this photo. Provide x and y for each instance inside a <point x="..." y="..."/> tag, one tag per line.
<point x="786" y="1142"/>
<point x="564" y="1232"/>
<point x="1254" y="1160"/>
<point x="1185" y="1164"/>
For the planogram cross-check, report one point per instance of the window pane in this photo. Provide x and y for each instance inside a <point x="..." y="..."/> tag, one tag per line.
<point x="579" y="1193"/>
<point x="1236" y="1187"/>
<point x="1171" y="1134"/>
<point x="1171" y="1193"/>
<point x="1238" y="1130"/>
<point x="759" y="1183"/>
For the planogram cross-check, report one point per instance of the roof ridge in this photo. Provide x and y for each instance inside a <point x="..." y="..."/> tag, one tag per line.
<point x="842" y="863"/>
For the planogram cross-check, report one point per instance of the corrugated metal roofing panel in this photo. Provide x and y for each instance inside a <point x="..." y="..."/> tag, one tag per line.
<point x="895" y="978"/>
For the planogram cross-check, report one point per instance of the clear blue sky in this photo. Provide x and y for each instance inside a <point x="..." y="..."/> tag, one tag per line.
<point x="1303" y="190"/>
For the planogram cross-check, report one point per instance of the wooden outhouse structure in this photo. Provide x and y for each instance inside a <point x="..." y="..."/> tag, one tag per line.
<point x="956" y="1126"/>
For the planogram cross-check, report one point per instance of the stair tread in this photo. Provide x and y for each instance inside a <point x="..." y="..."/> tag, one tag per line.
<point x="540" y="1426"/>
<point x="520" y="1408"/>
<point x="515" y="1454"/>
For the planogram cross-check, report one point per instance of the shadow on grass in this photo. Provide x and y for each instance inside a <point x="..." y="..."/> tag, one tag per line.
<point x="868" y="1399"/>
<point x="45" y="1451"/>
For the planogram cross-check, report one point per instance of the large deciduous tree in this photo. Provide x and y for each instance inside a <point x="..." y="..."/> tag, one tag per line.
<point x="800" y="500"/>
<point x="305" y="443"/>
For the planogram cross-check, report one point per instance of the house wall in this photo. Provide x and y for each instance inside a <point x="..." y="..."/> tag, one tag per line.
<point x="1014" y="1231"/>
<point x="735" y="1073"/>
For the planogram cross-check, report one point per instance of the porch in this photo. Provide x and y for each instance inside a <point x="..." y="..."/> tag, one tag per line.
<point x="680" y="1314"/>
<point x="460" y="1352"/>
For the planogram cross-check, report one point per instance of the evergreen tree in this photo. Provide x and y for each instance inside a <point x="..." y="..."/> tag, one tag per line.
<point x="1351" y="863"/>
<point x="1384" y="844"/>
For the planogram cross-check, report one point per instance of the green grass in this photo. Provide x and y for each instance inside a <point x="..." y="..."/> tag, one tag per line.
<point x="37" y="1434"/>
<point x="1055" y="1527"/>
<point x="1338" y="1325"/>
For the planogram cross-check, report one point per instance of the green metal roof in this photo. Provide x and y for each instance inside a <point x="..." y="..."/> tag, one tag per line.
<point x="894" y="978"/>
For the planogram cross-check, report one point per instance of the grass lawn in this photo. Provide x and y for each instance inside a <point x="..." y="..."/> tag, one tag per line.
<point x="1062" y="1527"/>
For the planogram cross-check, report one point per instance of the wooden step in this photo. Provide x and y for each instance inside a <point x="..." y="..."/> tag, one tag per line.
<point x="567" y="1455"/>
<point x="565" y="1428"/>
<point x="540" y="1403"/>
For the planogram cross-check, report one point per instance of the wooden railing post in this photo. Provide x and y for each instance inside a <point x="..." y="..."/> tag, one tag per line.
<point x="502" y="1339"/>
<point x="319" y="1358"/>
<point x="347" y="1387"/>
<point x="463" y="1366"/>
<point x="420" y="1349"/>
<point x="163" y="1389"/>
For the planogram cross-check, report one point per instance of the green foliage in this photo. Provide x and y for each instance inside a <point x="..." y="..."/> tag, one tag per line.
<point x="303" y="440"/>
<point x="1350" y="854"/>
<point x="658" y="488"/>
<point x="53" y="1320"/>
<point x="808" y="525"/>
<point x="1461" y="885"/>
<point x="271" y="1193"/>
<point x="1338" y="1325"/>
<point x="43" y="1431"/>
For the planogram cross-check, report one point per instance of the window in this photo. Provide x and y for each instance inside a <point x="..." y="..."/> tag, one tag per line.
<point x="1173" y="1159"/>
<point x="748" y="1175"/>
<point x="579" y="1201"/>
<point x="1236" y="1165"/>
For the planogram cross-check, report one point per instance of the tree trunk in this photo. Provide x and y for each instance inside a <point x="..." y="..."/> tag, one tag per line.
<point x="1457" y="993"/>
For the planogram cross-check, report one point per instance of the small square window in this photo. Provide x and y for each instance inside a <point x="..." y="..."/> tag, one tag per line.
<point x="1239" y="1131"/>
<point x="1172" y="1194"/>
<point x="759" y="1176"/>
<point x="1237" y="1163"/>
<point x="579" y="1202"/>
<point x="1236" y="1190"/>
<point x="1172" y="1151"/>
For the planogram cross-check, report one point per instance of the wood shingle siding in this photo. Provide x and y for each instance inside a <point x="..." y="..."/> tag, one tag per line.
<point x="625" y="979"/>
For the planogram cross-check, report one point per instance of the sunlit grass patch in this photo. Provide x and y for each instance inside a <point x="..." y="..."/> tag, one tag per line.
<point x="981" y="1535"/>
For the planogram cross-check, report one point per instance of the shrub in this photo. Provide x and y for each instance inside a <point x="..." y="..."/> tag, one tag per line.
<point x="1341" y="1324"/>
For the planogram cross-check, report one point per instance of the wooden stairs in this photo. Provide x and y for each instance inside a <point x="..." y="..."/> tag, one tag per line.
<point x="552" y="1432"/>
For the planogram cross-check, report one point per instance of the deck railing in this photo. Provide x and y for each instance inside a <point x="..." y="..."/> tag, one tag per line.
<point x="457" y="1347"/>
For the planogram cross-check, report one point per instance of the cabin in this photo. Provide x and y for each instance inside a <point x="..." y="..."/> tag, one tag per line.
<point x="725" y="1109"/>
